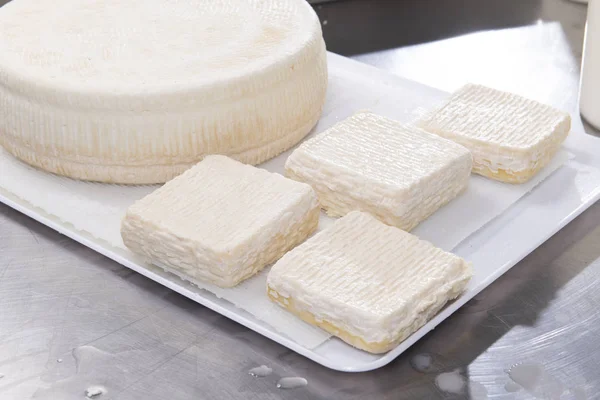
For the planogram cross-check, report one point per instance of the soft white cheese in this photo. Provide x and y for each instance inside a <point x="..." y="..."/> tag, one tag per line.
<point x="221" y="221"/>
<point x="369" y="280"/>
<point x="132" y="91"/>
<point x="398" y="173"/>
<point x="511" y="137"/>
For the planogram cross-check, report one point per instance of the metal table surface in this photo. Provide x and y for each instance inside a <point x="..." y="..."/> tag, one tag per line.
<point x="70" y="318"/>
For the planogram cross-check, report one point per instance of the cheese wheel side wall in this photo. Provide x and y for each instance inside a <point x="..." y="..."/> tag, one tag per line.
<point x="153" y="148"/>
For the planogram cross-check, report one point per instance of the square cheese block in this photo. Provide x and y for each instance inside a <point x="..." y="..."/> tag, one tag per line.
<point x="221" y="221"/>
<point x="511" y="137"/>
<point x="370" y="284"/>
<point x="396" y="172"/>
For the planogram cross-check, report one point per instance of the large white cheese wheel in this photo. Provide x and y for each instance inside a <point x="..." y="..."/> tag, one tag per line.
<point x="137" y="91"/>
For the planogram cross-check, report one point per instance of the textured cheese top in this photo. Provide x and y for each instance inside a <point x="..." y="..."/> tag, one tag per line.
<point x="370" y="278"/>
<point x="397" y="173"/>
<point x="511" y="137"/>
<point x="224" y="205"/>
<point x="379" y="150"/>
<point x="494" y="117"/>
<point x="149" y="46"/>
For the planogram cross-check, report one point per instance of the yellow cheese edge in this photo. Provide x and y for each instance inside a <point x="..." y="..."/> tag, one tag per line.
<point x="506" y="176"/>
<point x="359" y="343"/>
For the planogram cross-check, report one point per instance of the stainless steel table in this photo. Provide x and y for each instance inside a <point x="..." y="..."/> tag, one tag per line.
<point x="71" y="319"/>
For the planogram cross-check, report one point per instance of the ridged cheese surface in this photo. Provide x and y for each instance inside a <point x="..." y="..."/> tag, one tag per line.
<point x="368" y="280"/>
<point x="135" y="91"/>
<point x="511" y="137"/>
<point x="396" y="172"/>
<point x="221" y="221"/>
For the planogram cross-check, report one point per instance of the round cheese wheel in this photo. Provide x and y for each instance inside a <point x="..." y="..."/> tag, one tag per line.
<point x="137" y="91"/>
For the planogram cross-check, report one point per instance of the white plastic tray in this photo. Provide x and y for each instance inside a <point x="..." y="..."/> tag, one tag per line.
<point x="493" y="249"/>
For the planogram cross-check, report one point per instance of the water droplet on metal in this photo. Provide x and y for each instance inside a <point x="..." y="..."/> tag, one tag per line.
<point x="94" y="391"/>
<point x="451" y="382"/>
<point x="291" y="383"/>
<point x="261" y="371"/>
<point x="422" y="362"/>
